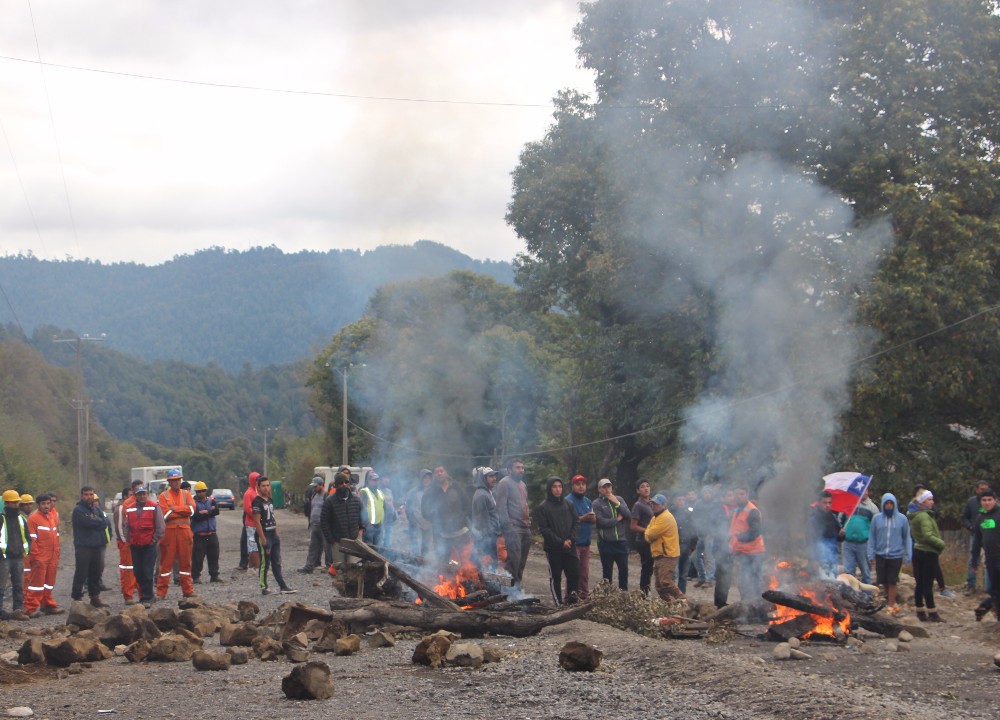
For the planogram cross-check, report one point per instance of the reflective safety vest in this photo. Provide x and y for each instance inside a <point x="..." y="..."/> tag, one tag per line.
<point x="739" y="525"/>
<point x="374" y="504"/>
<point x="21" y="523"/>
<point x="141" y="523"/>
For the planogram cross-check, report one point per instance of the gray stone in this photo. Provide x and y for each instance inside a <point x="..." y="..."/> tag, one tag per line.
<point x="309" y="681"/>
<point x="381" y="639"/>
<point x="782" y="651"/>
<point x="171" y="647"/>
<point x="431" y="650"/>
<point x="238" y="655"/>
<point x="905" y="636"/>
<point x="164" y="618"/>
<point x="137" y="651"/>
<point x="996" y="659"/>
<point x="84" y="615"/>
<point x="794" y="643"/>
<point x="120" y="630"/>
<point x="798" y="654"/>
<point x="20" y="711"/>
<point x="267" y="648"/>
<point x="492" y="654"/>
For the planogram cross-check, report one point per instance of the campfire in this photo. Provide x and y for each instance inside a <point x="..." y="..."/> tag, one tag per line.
<point x="465" y="584"/>
<point x="805" y="608"/>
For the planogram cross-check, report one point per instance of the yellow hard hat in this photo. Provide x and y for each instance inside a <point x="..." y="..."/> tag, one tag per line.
<point x="11" y="496"/>
<point x="27" y="499"/>
<point x="200" y="486"/>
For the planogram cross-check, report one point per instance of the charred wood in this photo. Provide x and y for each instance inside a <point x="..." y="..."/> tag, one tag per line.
<point x="802" y="604"/>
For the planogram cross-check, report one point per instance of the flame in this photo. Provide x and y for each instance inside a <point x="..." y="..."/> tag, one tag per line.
<point x="824" y="626"/>
<point x="465" y="580"/>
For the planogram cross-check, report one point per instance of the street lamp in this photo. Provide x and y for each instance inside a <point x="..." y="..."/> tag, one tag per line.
<point x="343" y="419"/>
<point x="82" y="407"/>
<point x="266" y="430"/>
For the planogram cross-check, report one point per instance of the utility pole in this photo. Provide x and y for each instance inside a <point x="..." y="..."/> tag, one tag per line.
<point x="343" y="407"/>
<point x="266" y="431"/>
<point x="82" y="407"/>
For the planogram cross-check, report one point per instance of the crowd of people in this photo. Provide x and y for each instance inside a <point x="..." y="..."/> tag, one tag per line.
<point x="713" y="538"/>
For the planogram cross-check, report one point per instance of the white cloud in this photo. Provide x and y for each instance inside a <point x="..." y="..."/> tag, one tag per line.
<point x="155" y="169"/>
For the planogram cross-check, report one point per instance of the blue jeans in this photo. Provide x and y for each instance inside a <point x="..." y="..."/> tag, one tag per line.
<point x="681" y="571"/>
<point x="614" y="552"/>
<point x="855" y="555"/>
<point x="825" y="551"/>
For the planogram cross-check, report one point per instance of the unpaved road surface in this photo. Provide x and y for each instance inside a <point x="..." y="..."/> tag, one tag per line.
<point x="949" y="675"/>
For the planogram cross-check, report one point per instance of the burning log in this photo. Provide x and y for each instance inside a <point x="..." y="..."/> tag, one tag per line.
<point x="357" y="547"/>
<point x="802" y="604"/>
<point x="468" y="623"/>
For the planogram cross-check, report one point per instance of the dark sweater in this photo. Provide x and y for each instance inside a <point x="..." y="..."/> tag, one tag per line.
<point x="341" y="517"/>
<point x="557" y="520"/>
<point x="89" y="526"/>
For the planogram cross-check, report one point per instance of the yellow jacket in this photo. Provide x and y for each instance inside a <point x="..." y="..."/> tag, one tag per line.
<point x="662" y="536"/>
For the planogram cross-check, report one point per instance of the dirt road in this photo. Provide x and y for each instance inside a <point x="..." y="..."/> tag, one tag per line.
<point x="950" y="675"/>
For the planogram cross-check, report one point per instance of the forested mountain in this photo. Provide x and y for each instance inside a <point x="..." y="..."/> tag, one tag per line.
<point x="228" y="308"/>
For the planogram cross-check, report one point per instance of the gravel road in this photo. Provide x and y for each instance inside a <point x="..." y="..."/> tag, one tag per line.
<point x="950" y="675"/>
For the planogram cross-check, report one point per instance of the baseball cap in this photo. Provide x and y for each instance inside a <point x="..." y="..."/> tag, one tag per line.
<point x="602" y="482"/>
<point x="659" y="499"/>
<point x="317" y="480"/>
<point x="577" y="477"/>
<point x="490" y="471"/>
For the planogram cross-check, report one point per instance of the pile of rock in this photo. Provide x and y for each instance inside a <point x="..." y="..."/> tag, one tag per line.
<point x="443" y="648"/>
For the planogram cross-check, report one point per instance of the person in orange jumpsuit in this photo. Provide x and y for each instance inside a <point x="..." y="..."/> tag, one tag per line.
<point x="43" y="560"/>
<point x="177" y="507"/>
<point x="126" y="576"/>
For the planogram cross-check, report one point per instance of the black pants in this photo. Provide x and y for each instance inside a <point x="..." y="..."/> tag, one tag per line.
<point x="614" y="552"/>
<point x="993" y="601"/>
<point x="646" y="564"/>
<point x="562" y="561"/>
<point x="270" y="559"/>
<point x="244" y="555"/>
<point x="205" y="546"/>
<point x="723" y="573"/>
<point x="925" y="570"/>
<point x="144" y="567"/>
<point x="87" y="570"/>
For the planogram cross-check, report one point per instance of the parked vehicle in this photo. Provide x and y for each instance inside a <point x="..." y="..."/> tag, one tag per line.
<point x="358" y="475"/>
<point x="224" y="498"/>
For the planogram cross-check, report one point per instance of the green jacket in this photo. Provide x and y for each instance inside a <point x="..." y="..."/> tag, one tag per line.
<point x="925" y="533"/>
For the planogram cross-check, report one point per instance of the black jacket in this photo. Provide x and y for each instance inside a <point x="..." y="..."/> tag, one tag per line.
<point x="341" y="517"/>
<point x="90" y="526"/>
<point x="986" y="535"/>
<point x="557" y="520"/>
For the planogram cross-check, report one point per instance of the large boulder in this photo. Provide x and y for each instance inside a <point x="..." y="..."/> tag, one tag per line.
<point x="84" y="615"/>
<point x="267" y="648"/>
<point x="63" y="652"/>
<point x="137" y="651"/>
<point x="578" y="656"/>
<point x="247" y="610"/>
<point x="347" y="645"/>
<point x="165" y="618"/>
<point x="309" y="681"/>
<point x="120" y="630"/>
<point x="432" y="650"/>
<point x="204" y="660"/>
<point x="237" y="634"/>
<point x="331" y="633"/>
<point x="172" y="647"/>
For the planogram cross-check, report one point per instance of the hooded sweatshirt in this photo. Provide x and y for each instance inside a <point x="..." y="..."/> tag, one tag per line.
<point x="557" y="519"/>
<point x="986" y="535"/>
<point x="485" y="520"/>
<point x="890" y="533"/>
<point x="248" y="497"/>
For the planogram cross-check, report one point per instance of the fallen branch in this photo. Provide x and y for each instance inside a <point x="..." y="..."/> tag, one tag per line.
<point x="360" y="549"/>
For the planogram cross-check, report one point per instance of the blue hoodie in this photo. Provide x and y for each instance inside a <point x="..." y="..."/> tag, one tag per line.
<point x="890" y="533"/>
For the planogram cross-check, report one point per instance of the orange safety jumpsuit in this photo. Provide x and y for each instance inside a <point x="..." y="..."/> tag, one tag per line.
<point x="178" y="542"/>
<point x="43" y="560"/>
<point x="126" y="578"/>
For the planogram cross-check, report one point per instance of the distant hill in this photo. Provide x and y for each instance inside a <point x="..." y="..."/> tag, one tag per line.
<point x="219" y="307"/>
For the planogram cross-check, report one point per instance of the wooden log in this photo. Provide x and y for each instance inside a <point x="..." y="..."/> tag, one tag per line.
<point x="794" y="628"/>
<point x="357" y="547"/>
<point x="468" y="623"/>
<point x="878" y="624"/>
<point x="802" y="604"/>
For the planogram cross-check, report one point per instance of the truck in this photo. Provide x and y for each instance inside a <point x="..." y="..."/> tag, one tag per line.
<point x="154" y="478"/>
<point x="358" y="475"/>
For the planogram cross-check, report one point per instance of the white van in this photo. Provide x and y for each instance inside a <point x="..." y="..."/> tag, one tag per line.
<point x="358" y="475"/>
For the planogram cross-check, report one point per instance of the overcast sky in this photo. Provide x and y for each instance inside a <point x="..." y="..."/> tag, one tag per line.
<point x="105" y="166"/>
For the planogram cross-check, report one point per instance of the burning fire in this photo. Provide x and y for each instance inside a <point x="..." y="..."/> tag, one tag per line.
<point x="824" y="626"/>
<point x="465" y="581"/>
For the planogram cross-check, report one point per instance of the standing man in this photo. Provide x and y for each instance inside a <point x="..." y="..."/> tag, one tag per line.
<point x="703" y="552"/>
<point x="688" y="538"/>
<point x="177" y="507"/>
<point x="143" y="529"/>
<point x="558" y="523"/>
<point x="585" y="512"/>
<point x="515" y="520"/>
<point x="341" y="517"/>
<point x="90" y="536"/>
<point x="319" y="548"/>
<point x="889" y="547"/>
<point x="986" y="537"/>
<point x="447" y="508"/>
<point x="718" y="518"/>
<point x="43" y="559"/>
<point x="485" y="520"/>
<point x="642" y="513"/>
<point x="253" y="554"/>
<point x="612" y="514"/>
<point x="267" y="538"/>
<point x="14" y="547"/>
<point x="857" y="530"/>
<point x="746" y="543"/>
<point x="970" y="521"/>
<point x="824" y="533"/>
<point x="665" y="546"/>
<point x="126" y="570"/>
<point x="205" y="531"/>
<point x="419" y="529"/>
<point x="373" y="509"/>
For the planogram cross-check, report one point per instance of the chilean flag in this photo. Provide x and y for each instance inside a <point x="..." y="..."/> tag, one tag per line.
<point x="847" y="489"/>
